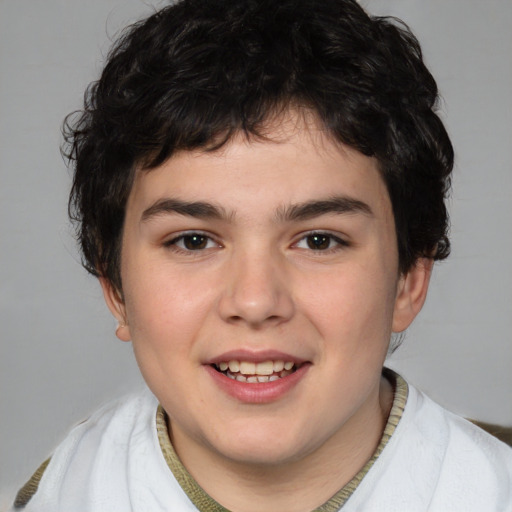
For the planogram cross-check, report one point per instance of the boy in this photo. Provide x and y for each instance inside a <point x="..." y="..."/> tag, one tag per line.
<point x="259" y="187"/>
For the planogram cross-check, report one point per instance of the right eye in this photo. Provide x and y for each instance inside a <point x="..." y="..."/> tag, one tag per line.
<point x="190" y="242"/>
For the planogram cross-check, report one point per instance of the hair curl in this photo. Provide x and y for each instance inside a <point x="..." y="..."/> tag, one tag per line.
<point x="195" y="73"/>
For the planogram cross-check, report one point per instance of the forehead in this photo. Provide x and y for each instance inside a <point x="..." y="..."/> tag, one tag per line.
<point x="293" y="161"/>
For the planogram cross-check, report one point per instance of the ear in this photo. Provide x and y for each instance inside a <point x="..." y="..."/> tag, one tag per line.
<point x="117" y="307"/>
<point x="411" y="293"/>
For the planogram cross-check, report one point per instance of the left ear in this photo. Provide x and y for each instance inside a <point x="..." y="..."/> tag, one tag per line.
<point x="411" y="293"/>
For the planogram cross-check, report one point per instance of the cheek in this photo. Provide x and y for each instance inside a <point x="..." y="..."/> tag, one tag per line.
<point x="164" y="309"/>
<point x="354" y="303"/>
<point x="163" y="327"/>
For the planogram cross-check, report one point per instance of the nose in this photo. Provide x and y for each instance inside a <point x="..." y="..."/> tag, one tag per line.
<point x="257" y="291"/>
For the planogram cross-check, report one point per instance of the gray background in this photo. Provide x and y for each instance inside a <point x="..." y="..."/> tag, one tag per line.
<point x="59" y="357"/>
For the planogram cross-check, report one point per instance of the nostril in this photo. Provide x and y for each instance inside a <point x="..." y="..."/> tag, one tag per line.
<point x="235" y="319"/>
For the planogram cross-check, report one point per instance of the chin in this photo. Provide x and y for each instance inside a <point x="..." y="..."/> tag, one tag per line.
<point x="262" y="447"/>
<point x="258" y="457"/>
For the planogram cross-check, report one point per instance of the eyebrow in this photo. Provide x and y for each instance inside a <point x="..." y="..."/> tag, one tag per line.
<point x="294" y="212"/>
<point x="312" y="209"/>
<point x="198" y="209"/>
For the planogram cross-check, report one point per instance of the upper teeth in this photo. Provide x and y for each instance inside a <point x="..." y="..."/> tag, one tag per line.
<point x="249" y="368"/>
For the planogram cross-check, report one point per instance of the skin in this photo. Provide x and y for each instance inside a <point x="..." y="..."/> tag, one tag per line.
<point x="257" y="282"/>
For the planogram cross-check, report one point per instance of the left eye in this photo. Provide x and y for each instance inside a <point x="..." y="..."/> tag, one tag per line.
<point x="192" y="242"/>
<point x="319" y="242"/>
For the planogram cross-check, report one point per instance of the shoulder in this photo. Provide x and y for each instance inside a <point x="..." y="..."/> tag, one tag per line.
<point x="470" y="466"/>
<point x="458" y="435"/>
<point x="112" y="425"/>
<point x="439" y="462"/>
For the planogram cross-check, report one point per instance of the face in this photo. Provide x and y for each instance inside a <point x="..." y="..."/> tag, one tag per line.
<point x="260" y="290"/>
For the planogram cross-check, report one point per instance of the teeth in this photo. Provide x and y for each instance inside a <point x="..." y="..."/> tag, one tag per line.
<point x="266" y="368"/>
<point x="278" y="366"/>
<point x="246" y="371"/>
<point x="247" y="368"/>
<point x="234" y="366"/>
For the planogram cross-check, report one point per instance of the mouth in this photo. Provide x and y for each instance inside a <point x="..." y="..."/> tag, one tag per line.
<point x="254" y="373"/>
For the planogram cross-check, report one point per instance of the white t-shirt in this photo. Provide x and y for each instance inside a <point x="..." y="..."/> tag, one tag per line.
<point x="433" y="462"/>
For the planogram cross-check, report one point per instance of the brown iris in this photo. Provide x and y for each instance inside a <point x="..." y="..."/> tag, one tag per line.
<point x="195" y="242"/>
<point x="318" y="242"/>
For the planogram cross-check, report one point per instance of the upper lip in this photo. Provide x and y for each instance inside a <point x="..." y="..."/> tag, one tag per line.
<point x="254" y="356"/>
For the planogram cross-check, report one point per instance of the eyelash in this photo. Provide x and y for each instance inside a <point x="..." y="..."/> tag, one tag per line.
<point x="173" y="244"/>
<point x="334" y="242"/>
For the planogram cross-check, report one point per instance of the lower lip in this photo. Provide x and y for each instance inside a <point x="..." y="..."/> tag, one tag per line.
<point x="258" y="392"/>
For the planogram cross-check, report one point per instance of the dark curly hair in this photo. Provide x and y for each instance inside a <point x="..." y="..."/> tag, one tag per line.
<point x="196" y="73"/>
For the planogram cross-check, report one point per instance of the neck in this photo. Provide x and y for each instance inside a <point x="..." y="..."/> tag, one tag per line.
<point x="297" y="485"/>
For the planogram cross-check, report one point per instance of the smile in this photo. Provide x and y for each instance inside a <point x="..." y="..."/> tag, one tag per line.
<point x="253" y="373"/>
